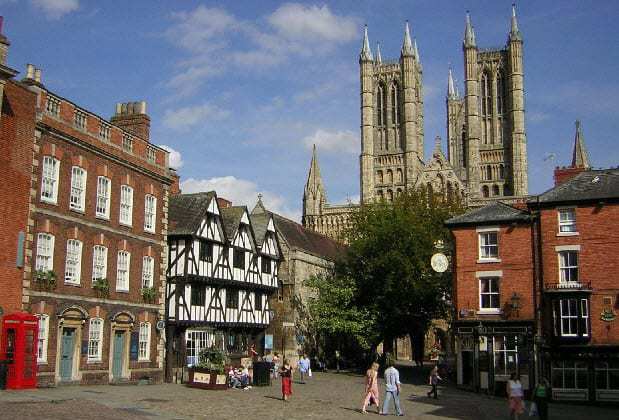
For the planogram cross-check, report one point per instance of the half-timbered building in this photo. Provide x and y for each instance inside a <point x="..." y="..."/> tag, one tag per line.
<point x="221" y="273"/>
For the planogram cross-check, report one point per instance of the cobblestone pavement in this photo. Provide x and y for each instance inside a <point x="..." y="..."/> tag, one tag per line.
<point x="325" y="396"/>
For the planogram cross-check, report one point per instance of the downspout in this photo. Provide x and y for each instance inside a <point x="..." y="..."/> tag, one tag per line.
<point x="538" y="288"/>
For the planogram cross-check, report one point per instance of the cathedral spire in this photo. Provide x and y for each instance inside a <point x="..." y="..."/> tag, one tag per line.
<point x="379" y="59"/>
<point x="407" y="46"/>
<point x="451" y="90"/>
<point x="469" y="32"/>
<point x="416" y="51"/>
<point x="514" y="33"/>
<point x="314" y="180"/>
<point x="580" y="157"/>
<point x="366" y="52"/>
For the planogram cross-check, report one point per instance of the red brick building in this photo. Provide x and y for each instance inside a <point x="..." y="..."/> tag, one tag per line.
<point x="94" y="213"/>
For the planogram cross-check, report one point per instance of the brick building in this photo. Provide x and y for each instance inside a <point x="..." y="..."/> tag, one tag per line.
<point x="91" y="197"/>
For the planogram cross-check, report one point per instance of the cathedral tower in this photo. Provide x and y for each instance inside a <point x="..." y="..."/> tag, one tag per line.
<point x="487" y="145"/>
<point x="391" y="120"/>
<point x="314" y="196"/>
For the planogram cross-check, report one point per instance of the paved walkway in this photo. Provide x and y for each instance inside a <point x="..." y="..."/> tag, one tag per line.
<point x="325" y="396"/>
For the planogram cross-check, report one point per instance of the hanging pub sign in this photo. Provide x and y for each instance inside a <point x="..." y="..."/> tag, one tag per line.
<point x="608" y="315"/>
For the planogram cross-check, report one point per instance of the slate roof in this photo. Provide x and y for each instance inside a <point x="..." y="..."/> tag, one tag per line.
<point x="259" y="223"/>
<point x="186" y="211"/>
<point x="495" y="212"/>
<point x="588" y="185"/>
<point x="309" y="241"/>
<point x="231" y="219"/>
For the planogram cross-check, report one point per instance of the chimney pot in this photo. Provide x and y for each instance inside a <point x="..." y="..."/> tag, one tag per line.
<point x="143" y="107"/>
<point x="37" y="75"/>
<point x="123" y="109"/>
<point x="29" y="71"/>
<point x="119" y="108"/>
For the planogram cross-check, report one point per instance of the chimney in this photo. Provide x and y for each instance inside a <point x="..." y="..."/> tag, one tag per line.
<point x="30" y="71"/>
<point x="223" y="203"/>
<point x="37" y="75"/>
<point x="132" y="117"/>
<point x="175" y="188"/>
<point x="566" y="173"/>
<point x="4" y="44"/>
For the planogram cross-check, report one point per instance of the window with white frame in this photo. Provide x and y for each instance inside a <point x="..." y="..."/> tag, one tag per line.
<point x="77" y="199"/>
<point x="567" y="220"/>
<point x="42" y="338"/>
<point x="148" y="267"/>
<point x="505" y="352"/>
<point x="99" y="262"/>
<point x="196" y="341"/>
<point x="95" y="339"/>
<point x="49" y="179"/>
<point x="80" y="119"/>
<point x="144" y="342"/>
<point x="607" y="374"/>
<point x="103" y="197"/>
<point x="583" y="321"/>
<point x="126" y="205"/>
<point x="489" y="297"/>
<point x="150" y="212"/>
<point x="73" y="266"/>
<point x="488" y="245"/>
<point x="572" y="317"/>
<point x="45" y="252"/>
<point x="122" y="271"/>
<point x="568" y="267"/>
<point x="104" y="131"/>
<point x="569" y="374"/>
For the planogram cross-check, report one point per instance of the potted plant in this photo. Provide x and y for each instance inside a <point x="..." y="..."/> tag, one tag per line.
<point x="149" y="294"/>
<point x="102" y="287"/>
<point x="209" y="372"/>
<point x="45" y="279"/>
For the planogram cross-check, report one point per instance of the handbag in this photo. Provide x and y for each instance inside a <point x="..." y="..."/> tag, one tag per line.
<point x="533" y="410"/>
<point x="309" y="372"/>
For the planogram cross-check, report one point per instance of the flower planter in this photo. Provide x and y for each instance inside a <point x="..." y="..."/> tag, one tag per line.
<point x="206" y="379"/>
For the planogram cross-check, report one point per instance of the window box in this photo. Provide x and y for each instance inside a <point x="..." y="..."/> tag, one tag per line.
<point x="149" y="294"/>
<point x="45" y="279"/>
<point x="102" y="288"/>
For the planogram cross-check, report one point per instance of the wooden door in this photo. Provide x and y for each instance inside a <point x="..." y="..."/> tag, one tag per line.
<point x="66" y="354"/>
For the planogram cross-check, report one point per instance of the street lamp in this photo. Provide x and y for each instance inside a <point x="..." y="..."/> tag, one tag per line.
<point x="514" y="303"/>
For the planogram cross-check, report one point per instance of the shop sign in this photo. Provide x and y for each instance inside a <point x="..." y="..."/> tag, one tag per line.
<point x="608" y="315"/>
<point x="203" y="378"/>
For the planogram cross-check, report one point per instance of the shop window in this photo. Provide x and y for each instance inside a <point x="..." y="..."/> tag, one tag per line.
<point x="569" y="374"/>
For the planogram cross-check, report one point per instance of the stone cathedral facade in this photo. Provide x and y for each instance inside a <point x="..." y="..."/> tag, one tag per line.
<point x="486" y="141"/>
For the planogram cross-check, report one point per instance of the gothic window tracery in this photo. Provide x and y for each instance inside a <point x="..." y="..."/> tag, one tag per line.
<point x="395" y="104"/>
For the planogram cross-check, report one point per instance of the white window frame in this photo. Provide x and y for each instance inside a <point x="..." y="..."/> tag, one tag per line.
<point x="490" y="293"/>
<point x="150" y="213"/>
<point x="604" y="368"/>
<point x="484" y="246"/>
<point x="95" y="339"/>
<point x="584" y="315"/>
<point x="77" y="197"/>
<point x="50" y="172"/>
<point x="42" y="338"/>
<point x="73" y="262"/>
<point x="126" y="205"/>
<point x="567" y="225"/>
<point x="567" y="269"/>
<point x="104" y="196"/>
<point x="565" y="313"/>
<point x="578" y="366"/>
<point x="148" y="271"/>
<point x="99" y="262"/>
<point x="144" y="342"/>
<point x="506" y="351"/>
<point x="45" y="252"/>
<point x="123" y="267"/>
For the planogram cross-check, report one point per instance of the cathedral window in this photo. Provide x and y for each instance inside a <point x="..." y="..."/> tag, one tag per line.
<point x="495" y="190"/>
<point x="488" y="173"/>
<point x="395" y="104"/>
<point x="380" y="106"/>
<point x="389" y="195"/>
<point x="500" y="93"/>
<point x="501" y="172"/>
<point x="389" y="179"/>
<point x="485" y="192"/>
<point x="379" y="175"/>
<point x="399" y="176"/>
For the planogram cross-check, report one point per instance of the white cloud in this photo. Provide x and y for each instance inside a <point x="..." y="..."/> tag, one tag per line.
<point x="176" y="160"/>
<point x="183" y="119"/>
<point x="333" y="141"/>
<point x="240" y="192"/>
<point x="55" y="9"/>
<point x="297" y="21"/>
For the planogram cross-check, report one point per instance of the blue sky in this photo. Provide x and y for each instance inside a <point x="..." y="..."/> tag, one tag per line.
<point x="240" y="90"/>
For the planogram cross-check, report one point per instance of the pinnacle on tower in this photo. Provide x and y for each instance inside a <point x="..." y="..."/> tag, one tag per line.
<point x="451" y="90"/>
<point x="407" y="46"/>
<point x="438" y="151"/>
<point x="314" y="180"/>
<point x="366" y="52"/>
<point x="469" y="32"/>
<point x="416" y="51"/>
<point x="580" y="157"/>
<point x="514" y="33"/>
<point x="379" y="59"/>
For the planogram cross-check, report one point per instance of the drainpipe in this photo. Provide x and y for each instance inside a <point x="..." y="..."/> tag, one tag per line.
<point x="538" y="289"/>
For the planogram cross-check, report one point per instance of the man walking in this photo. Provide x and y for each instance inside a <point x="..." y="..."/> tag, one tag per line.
<point x="392" y="389"/>
<point x="304" y="367"/>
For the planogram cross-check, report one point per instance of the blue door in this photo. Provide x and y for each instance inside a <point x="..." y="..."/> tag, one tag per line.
<point x="118" y="356"/>
<point x="66" y="354"/>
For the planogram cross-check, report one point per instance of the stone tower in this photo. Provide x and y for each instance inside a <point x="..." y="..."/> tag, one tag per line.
<point x="486" y="135"/>
<point x="391" y="120"/>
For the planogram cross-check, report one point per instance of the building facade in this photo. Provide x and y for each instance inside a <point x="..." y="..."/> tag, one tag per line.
<point x="90" y="226"/>
<point x="223" y="268"/>
<point x="486" y="139"/>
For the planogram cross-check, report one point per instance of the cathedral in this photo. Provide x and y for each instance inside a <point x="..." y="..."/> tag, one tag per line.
<point x="486" y="140"/>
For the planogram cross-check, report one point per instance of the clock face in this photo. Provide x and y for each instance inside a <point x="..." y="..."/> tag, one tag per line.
<point x="439" y="262"/>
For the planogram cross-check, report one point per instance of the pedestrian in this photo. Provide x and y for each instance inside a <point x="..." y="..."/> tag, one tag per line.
<point x="514" y="395"/>
<point x="392" y="389"/>
<point x="371" y="388"/>
<point x="433" y="380"/>
<point x="304" y="367"/>
<point x="337" y="361"/>
<point x="275" y="365"/>
<point x="286" y="374"/>
<point x="541" y="395"/>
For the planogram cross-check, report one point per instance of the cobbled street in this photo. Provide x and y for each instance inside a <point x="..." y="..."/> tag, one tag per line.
<point x="325" y="396"/>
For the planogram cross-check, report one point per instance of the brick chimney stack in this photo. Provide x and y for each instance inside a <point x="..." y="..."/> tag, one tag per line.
<point x="175" y="188"/>
<point x="132" y="117"/>
<point x="4" y="44"/>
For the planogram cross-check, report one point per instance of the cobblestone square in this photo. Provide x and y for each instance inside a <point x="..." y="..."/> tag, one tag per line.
<point x="325" y="396"/>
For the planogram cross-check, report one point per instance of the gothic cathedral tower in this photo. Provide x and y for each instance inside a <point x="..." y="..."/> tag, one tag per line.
<point x="391" y="120"/>
<point x="487" y="143"/>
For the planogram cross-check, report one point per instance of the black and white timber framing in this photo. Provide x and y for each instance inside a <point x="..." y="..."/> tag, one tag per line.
<point x="220" y="275"/>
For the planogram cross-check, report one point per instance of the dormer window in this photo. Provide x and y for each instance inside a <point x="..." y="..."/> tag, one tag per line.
<point x="567" y="220"/>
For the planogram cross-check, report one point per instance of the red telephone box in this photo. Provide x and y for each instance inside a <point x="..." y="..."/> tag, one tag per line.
<point x="19" y="347"/>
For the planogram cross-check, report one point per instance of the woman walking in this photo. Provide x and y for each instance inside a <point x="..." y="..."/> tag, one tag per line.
<point x="286" y="374"/>
<point x="515" y="394"/>
<point x="371" y="388"/>
<point x="541" y="395"/>
<point x="433" y="381"/>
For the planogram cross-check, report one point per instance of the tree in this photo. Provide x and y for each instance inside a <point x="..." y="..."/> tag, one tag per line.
<point x="388" y="259"/>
